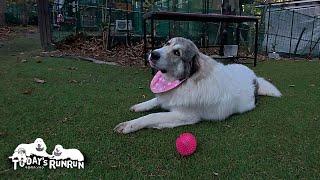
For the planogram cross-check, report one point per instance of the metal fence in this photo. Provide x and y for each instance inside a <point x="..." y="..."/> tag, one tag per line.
<point x="122" y="21"/>
<point x="291" y="32"/>
<point x="21" y="14"/>
<point x="95" y="16"/>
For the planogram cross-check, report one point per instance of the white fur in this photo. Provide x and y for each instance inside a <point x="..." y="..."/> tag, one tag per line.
<point x="20" y="155"/>
<point x="267" y="89"/>
<point x="215" y="92"/>
<point x="23" y="150"/>
<point x="73" y="154"/>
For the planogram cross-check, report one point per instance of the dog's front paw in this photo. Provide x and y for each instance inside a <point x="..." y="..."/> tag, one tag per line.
<point x="132" y="108"/>
<point x="137" y="108"/>
<point x="125" y="127"/>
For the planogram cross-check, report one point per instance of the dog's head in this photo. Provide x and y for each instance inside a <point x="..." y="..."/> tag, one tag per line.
<point x="40" y="145"/>
<point x="57" y="150"/>
<point x="178" y="58"/>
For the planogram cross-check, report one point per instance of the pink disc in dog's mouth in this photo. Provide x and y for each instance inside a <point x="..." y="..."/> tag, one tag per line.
<point x="159" y="84"/>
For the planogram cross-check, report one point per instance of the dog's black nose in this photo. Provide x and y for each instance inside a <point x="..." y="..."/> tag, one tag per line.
<point x="155" y="55"/>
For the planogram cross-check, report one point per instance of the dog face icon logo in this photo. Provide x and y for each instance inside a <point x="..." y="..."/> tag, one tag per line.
<point x="20" y="154"/>
<point x="40" y="145"/>
<point x="57" y="150"/>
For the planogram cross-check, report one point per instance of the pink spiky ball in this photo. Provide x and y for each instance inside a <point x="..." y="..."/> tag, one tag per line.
<point x="186" y="144"/>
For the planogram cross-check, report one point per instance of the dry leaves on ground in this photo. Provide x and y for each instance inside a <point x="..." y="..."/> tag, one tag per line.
<point x="40" y="81"/>
<point x="5" y="32"/>
<point x="92" y="47"/>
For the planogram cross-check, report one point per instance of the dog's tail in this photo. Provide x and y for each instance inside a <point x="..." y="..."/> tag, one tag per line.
<point x="267" y="89"/>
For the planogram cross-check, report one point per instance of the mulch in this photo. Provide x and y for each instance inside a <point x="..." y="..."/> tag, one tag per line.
<point x="93" y="47"/>
<point x="5" y="33"/>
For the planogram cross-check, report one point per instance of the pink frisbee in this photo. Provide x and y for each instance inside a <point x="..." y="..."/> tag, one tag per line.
<point x="159" y="84"/>
<point x="186" y="144"/>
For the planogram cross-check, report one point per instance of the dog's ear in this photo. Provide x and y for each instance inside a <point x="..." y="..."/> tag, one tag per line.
<point x="191" y="67"/>
<point x="194" y="64"/>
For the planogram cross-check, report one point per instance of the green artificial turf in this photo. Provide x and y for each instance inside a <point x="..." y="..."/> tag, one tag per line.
<point x="81" y="102"/>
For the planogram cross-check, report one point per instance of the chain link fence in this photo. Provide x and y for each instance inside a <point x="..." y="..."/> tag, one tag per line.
<point x="25" y="14"/>
<point x="94" y="17"/>
<point x="291" y="32"/>
<point x="121" y="21"/>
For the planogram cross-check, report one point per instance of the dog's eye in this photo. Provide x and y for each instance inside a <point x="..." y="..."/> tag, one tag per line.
<point x="176" y="52"/>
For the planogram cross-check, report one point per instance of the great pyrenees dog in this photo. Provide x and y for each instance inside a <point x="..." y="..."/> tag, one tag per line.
<point x="60" y="153"/>
<point x="209" y="91"/>
<point x="38" y="148"/>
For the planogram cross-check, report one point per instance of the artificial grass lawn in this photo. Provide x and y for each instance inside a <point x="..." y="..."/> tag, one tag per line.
<point x="279" y="139"/>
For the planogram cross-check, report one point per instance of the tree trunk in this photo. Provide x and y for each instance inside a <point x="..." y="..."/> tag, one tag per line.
<point x="44" y="24"/>
<point x="2" y="12"/>
<point x="24" y="14"/>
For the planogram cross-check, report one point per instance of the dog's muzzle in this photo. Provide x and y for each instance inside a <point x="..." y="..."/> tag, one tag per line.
<point x="154" y="56"/>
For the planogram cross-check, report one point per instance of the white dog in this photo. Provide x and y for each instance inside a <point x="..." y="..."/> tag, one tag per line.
<point x="20" y="154"/>
<point x="60" y="153"/>
<point x="210" y="90"/>
<point x="38" y="148"/>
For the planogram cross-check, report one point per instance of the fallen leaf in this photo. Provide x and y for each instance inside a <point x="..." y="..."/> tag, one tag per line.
<point x="23" y="61"/>
<point x="292" y="85"/>
<point x="73" y="81"/>
<point x="3" y="134"/>
<point x="312" y="85"/>
<point x="65" y="119"/>
<point x="27" y="91"/>
<point x="215" y="173"/>
<point x="72" y="68"/>
<point x="143" y="96"/>
<point x="37" y="80"/>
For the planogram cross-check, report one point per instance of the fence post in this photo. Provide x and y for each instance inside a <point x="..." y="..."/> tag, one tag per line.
<point x="169" y="22"/>
<point x="291" y="33"/>
<point x="267" y="43"/>
<point x="127" y="17"/>
<point x="2" y="12"/>
<point x="109" y="25"/>
<point x="310" y="51"/>
<point x="44" y="23"/>
<point x="152" y="33"/>
<point x="141" y="14"/>
<point x="145" y="42"/>
<point x="256" y="43"/>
